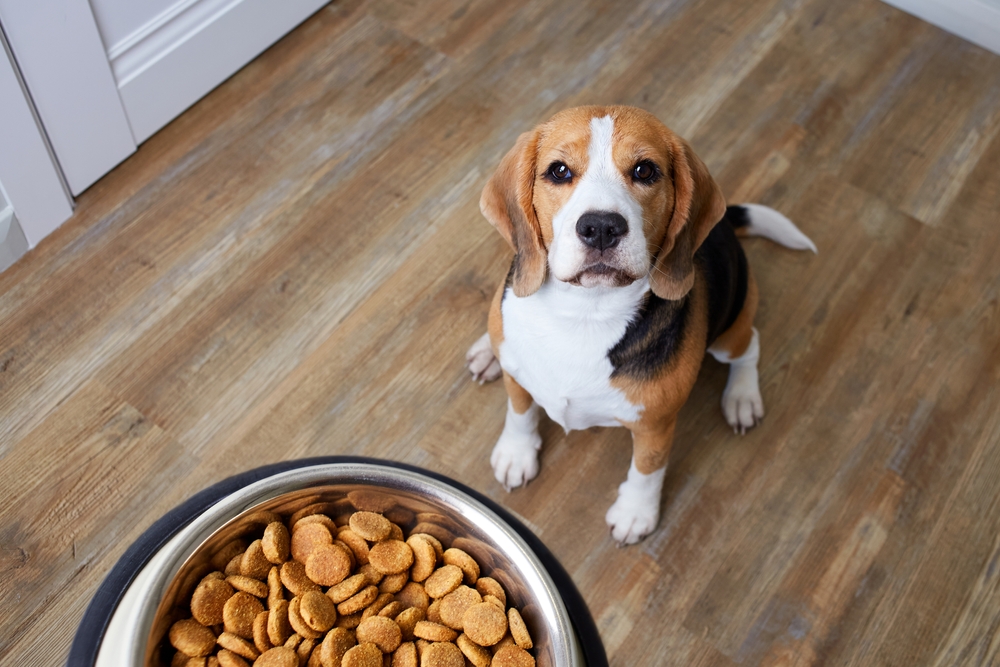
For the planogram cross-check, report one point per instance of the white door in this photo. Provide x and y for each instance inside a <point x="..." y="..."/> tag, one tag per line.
<point x="105" y="75"/>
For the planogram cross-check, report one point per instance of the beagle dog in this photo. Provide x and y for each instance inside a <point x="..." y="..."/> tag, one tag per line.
<point x="626" y="270"/>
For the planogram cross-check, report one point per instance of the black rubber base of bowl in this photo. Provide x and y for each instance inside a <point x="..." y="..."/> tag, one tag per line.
<point x="89" y="635"/>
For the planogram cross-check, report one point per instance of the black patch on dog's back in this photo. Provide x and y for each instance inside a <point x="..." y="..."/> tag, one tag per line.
<point x="658" y="329"/>
<point x="724" y="266"/>
<point x="737" y="216"/>
<point x="651" y="338"/>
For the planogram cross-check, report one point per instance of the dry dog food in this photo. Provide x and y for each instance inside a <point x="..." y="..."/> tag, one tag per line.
<point x="349" y="591"/>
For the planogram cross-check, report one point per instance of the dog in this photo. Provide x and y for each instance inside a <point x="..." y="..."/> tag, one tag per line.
<point x="626" y="270"/>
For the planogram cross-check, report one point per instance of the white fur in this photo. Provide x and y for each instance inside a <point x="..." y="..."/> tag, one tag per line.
<point x="481" y="362"/>
<point x="515" y="456"/>
<point x="637" y="508"/>
<point x="556" y="344"/>
<point x="766" y="222"/>
<point x="602" y="187"/>
<point x="742" y="404"/>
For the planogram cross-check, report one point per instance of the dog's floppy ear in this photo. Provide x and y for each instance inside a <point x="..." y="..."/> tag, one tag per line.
<point x="507" y="202"/>
<point x="698" y="206"/>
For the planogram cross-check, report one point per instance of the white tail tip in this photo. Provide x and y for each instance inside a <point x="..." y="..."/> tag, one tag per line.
<point x="766" y="222"/>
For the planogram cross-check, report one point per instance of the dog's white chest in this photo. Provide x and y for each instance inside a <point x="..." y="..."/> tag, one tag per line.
<point x="556" y="344"/>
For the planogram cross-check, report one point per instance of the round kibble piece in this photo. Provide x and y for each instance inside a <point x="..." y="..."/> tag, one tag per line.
<point x="238" y="645"/>
<point x="334" y="646"/>
<point x="208" y="600"/>
<point x="349" y="621"/>
<point x="254" y="587"/>
<point x="518" y="630"/>
<point x="318" y="611"/>
<point x="476" y="654"/>
<point x="378" y="605"/>
<point x="484" y="623"/>
<point x="254" y="563"/>
<point x="358" y="601"/>
<point x="305" y="649"/>
<point x="278" y="627"/>
<point x="293" y="576"/>
<point x="278" y="656"/>
<point x="454" y="605"/>
<point x="229" y="551"/>
<point x="347" y="587"/>
<point x="444" y="580"/>
<point x="230" y="659"/>
<point x="239" y="613"/>
<point x="393" y="583"/>
<point x="434" y="612"/>
<point x="191" y="638"/>
<point x="408" y="619"/>
<point x="434" y="632"/>
<point x="260" y="637"/>
<point x="414" y="595"/>
<point x="373" y="575"/>
<point x="276" y="543"/>
<point x="493" y="600"/>
<point x="464" y="562"/>
<point x="405" y="655"/>
<point x="512" y="656"/>
<point x="363" y="655"/>
<point x="275" y="591"/>
<point x="442" y="654"/>
<point x="328" y="565"/>
<point x="391" y="557"/>
<point x="381" y="631"/>
<point x="489" y="586"/>
<point x="424" y="557"/>
<point x="371" y="501"/>
<point x="371" y="526"/>
<point x="392" y="610"/>
<point x="298" y="623"/>
<point x="356" y="543"/>
<point x="306" y="538"/>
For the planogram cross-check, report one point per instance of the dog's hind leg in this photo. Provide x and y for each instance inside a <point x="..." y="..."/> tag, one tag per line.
<point x="515" y="456"/>
<point x="739" y="346"/>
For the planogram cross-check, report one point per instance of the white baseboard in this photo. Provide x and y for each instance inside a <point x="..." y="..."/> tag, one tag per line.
<point x="13" y="244"/>
<point x="182" y="54"/>
<point x="977" y="21"/>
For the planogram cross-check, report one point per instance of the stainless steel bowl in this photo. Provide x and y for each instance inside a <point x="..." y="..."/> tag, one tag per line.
<point x="138" y="627"/>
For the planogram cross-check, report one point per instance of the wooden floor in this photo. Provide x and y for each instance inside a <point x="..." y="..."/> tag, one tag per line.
<point x="296" y="266"/>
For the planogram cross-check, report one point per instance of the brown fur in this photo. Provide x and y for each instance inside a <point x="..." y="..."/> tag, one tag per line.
<point x="678" y="215"/>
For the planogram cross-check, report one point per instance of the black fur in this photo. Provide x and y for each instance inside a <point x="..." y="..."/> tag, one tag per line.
<point x="651" y="338"/>
<point x="656" y="333"/>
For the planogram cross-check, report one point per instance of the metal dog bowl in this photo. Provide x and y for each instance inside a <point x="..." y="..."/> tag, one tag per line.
<point x="126" y="623"/>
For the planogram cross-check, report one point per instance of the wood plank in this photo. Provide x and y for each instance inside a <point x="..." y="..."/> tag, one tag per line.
<point x="296" y="265"/>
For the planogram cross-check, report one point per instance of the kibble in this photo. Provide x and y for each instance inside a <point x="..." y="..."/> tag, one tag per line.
<point x="350" y="591"/>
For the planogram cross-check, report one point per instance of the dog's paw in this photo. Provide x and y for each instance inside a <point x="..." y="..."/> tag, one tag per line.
<point x="742" y="405"/>
<point x="743" y="410"/>
<point x="515" y="459"/>
<point x="481" y="362"/>
<point x="632" y="518"/>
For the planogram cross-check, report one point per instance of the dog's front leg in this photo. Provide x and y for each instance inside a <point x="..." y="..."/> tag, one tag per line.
<point x="637" y="510"/>
<point x="515" y="456"/>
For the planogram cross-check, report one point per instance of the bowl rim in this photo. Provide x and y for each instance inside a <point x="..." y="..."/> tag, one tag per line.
<point x="93" y="627"/>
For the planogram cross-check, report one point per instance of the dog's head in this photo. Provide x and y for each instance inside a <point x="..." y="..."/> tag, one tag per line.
<point x="603" y="196"/>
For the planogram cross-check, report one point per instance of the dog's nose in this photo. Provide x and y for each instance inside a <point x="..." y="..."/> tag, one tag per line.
<point x="601" y="229"/>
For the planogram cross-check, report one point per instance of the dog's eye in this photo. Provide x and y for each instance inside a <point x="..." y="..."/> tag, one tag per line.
<point x="645" y="172"/>
<point x="559" y="173"/>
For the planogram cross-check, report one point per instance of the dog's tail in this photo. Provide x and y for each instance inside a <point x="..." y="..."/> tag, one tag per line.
<point x="757" y="220"/>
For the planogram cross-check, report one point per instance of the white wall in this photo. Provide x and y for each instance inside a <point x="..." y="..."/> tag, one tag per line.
<point x="977" y="21"/>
